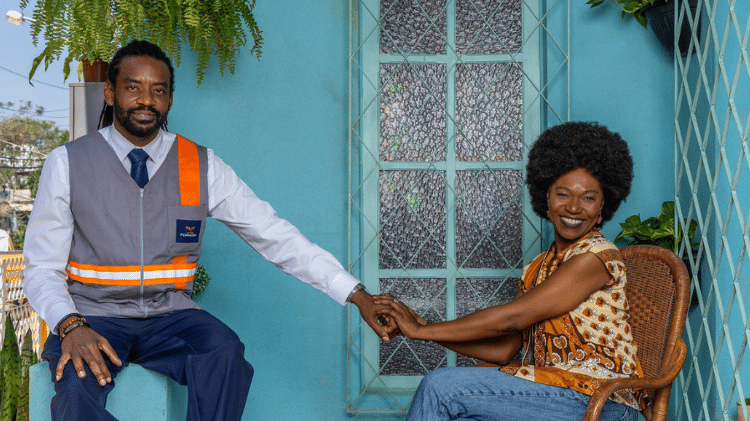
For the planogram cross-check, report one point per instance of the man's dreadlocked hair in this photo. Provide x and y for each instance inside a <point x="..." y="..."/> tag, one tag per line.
<point x="135" y="48"/>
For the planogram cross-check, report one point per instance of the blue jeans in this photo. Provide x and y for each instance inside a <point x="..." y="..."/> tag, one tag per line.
<point x="484" y="393"/>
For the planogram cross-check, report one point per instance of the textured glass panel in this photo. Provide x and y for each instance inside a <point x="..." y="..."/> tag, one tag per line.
<point x="488" y="219"/>
<point x="488" y="26"/>
<point x="412" y="112"/>
<point x="405" y="356"/>
<point x="489" y="112"/>
<point x="476" y="294"/>
<point x="412" y="219"/>
<point x="416" y="26"/>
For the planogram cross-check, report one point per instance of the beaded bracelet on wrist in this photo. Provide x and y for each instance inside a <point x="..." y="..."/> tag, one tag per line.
<point x="59" y="328"/>
<point x="80" y="322"/>
<point x="69" y="323"/>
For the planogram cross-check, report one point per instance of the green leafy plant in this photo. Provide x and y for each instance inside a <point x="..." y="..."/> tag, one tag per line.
<point x="634" y="8"/>
<point x="17" y="236"/>
<point x="11" y="380"/>
<point x="660" y="230"/>
<point x="14" y="375"/>
<point x="200" y="280"/>
<point x="95" y="29"/>
<point x="28" y="358"/>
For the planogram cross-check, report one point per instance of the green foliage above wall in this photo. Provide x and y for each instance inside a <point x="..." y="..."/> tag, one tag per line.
<point x="91" y="29"/>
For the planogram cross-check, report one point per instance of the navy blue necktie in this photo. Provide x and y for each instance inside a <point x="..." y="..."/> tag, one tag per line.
<point x="138" y="158"/>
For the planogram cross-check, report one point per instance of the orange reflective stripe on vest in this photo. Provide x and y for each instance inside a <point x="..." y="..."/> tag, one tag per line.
<point x="175" y="273"/>
<point x="181" y="260"/>
<point x="189" y="172"/>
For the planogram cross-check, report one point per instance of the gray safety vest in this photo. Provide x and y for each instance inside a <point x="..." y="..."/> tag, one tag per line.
<point x="134" y="251"/>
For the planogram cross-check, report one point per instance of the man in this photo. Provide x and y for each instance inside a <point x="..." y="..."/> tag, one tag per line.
<point x="113" y="243"/>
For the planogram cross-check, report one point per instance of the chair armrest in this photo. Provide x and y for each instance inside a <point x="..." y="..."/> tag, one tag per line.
<point x="668" y="373"/>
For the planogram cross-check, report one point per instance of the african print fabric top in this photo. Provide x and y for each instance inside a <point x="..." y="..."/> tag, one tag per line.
<point x="590" y="344"/>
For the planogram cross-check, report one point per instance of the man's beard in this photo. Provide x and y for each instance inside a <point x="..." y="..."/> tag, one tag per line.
<point x="125" y="119"/>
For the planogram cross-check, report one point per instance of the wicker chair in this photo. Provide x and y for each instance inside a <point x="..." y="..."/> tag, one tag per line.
<point x="658" y="291"/>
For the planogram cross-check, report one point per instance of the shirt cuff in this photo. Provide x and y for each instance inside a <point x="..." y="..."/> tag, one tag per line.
<point x="357" y="287"/>
<point x="341" y="286"/>
<point x="56" y="315"/>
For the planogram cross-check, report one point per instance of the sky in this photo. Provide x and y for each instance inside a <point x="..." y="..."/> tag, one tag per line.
<point x="17" y="51"/>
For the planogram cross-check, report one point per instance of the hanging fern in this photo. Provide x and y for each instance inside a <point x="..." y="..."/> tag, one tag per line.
<point x="91" y="29"/>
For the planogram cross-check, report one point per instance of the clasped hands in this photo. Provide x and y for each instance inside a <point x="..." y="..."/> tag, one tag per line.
<point x="406" y="321"/>
<point x="387" y="316"/>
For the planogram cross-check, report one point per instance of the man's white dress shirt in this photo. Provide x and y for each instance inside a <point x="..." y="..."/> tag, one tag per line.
<point x="230" y="200"/>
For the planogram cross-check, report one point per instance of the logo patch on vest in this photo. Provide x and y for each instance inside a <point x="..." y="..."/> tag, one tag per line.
<point x="188" y="231"/>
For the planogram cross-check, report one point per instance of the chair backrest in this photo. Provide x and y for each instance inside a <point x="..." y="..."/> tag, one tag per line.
<point x="658" y="292"/>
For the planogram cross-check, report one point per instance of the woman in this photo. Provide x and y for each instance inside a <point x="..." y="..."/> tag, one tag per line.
<point x="569" y="317"/>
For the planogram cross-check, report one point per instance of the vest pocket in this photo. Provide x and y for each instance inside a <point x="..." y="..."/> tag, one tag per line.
<point x="186" y="225"/>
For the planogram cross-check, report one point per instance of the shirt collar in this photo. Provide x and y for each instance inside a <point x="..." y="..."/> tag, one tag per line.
<point x="122" y="146"/>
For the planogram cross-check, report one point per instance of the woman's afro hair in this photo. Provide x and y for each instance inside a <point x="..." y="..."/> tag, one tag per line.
<point x="574" y="145"/>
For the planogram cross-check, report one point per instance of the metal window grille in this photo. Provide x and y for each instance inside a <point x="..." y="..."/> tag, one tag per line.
<point x="712" y="161"/>
<point x="446" y="96"/>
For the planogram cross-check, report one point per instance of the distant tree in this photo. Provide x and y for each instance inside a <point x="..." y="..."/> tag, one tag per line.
<point x="25" y="142"/>
<point x="24" y="107"/>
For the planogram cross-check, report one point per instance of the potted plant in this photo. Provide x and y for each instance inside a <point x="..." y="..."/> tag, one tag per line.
<point x="741" y="408"/>
<point x="634" y="8"/>
<point x="661" y="15"/>
<point x="662" y="231"/>
<point x="92" y="30"/>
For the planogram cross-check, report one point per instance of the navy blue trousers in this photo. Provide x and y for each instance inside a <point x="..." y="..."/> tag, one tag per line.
<point x="192" y="347"/>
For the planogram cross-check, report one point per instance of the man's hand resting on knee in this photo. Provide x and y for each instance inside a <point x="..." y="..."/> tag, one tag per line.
<point x="83" y="344"/>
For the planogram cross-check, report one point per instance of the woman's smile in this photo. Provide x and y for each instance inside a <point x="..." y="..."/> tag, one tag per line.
<point x="574" y="204"/>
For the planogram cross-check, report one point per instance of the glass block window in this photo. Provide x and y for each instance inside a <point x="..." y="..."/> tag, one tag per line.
<point x="446" y="97"/>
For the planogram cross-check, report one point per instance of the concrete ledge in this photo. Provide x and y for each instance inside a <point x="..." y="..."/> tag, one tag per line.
<point x="139" y="395"/>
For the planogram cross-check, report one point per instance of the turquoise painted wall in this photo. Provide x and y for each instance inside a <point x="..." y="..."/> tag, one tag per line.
<point x="281" y="123"/>
<point x="622" y="78"/>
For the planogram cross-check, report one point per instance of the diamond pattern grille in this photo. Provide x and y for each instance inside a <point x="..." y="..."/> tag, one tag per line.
<point x="446" y="96"/>
<point x="712" y="162"/>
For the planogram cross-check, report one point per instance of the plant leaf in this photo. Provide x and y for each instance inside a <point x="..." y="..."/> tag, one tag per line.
<point x="9" y="359"/>
<point x="628" y="227"/>
<point x="667" y="208"/>
<point x="28" y="358"/>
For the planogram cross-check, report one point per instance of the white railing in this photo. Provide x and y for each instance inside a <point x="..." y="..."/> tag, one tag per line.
<point x="14" y="302"/>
